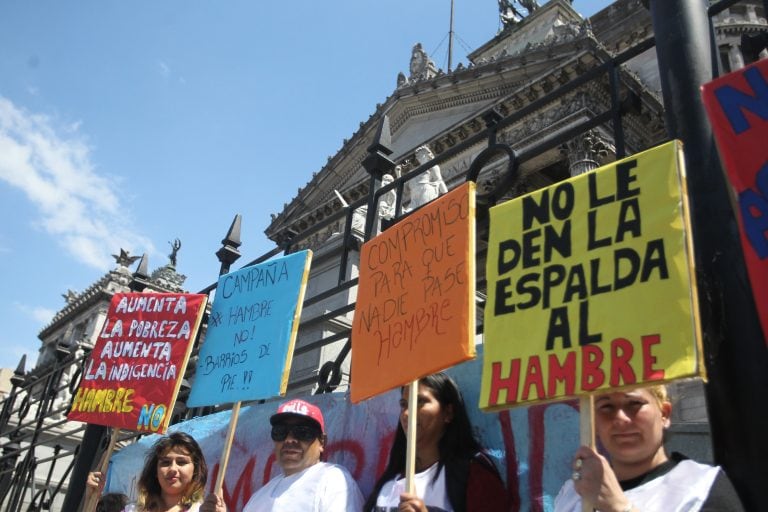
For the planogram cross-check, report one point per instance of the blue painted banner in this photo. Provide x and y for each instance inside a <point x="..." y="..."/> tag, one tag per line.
<point x="247" y="351"/>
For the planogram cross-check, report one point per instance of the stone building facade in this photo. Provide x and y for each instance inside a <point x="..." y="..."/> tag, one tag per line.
<point x="528" y="58"/>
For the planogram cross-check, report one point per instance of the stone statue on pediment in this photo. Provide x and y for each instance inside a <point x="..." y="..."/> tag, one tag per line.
<point x="509" y="14"/>
<point x="388" y="201"/>
<point x="418" y="60"/>
<point x="358" y="216"/>
<point x="421" y="67"/>
<point x="173" y="257"/>
<point x="429" y="184"/>
<point x="530" y="5"/>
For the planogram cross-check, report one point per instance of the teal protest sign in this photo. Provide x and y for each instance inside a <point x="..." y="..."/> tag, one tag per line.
<point x="247" y="351"/>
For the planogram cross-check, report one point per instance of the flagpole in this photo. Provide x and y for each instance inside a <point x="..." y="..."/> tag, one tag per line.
<point x="450" y="40"/>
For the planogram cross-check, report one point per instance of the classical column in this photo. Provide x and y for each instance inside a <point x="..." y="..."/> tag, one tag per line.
<point x="734" y="55"/>
<point x="585" y="151"/>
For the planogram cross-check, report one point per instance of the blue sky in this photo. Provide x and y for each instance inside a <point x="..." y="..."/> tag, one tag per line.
<point x="130" y="124"/>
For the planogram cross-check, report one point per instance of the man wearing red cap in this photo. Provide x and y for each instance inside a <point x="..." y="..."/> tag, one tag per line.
<point x="307" y="484"/>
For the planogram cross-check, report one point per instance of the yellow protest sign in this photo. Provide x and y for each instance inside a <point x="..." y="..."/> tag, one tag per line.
<point x="415" y="310"/>
<point x="590" y="285"/>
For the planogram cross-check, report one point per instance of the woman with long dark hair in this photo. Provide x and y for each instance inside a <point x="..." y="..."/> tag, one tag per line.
<point x="452" y="471"/>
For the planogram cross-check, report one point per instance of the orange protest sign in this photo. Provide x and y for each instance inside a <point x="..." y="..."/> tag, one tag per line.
<point x="415" y="311"/>
<point x="134" y="372"/>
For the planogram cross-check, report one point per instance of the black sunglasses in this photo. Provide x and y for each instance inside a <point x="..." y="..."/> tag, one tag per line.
<point x="299" y="432"/>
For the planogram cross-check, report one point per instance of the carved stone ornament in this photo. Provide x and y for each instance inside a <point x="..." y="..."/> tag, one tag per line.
<point x="167" y="278"/>
<point x="70" y="296"/>
<point x="421" y="67"/>
<point x="419" y="61"/>
<point x="124" y="259"/>
<point x="386" y="207"/>
<point x="509" y="15"/>
<point x="585" y="152"/>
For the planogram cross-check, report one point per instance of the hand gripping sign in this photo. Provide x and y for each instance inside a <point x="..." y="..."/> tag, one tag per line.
<point x="415" y="310"/>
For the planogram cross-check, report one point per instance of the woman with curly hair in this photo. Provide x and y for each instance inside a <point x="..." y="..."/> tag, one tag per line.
<point x="173" y="478"/>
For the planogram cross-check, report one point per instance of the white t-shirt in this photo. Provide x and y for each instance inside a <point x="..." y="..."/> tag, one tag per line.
<point x="432" y="493"/>
<point x="684" y="489"/>
<point x="322" y="487"/>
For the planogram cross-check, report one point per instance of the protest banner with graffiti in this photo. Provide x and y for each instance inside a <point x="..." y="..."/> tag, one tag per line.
<point x="737" y="106"/>
<point x="531" y="447"/>
<point x="248" y="347"/>
<point x="590" y="285"/>
<point x="415" y="311"/>
<point x="133" y="374"/>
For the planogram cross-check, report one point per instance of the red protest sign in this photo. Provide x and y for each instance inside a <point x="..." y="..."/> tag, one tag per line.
<point x="133" y="374"/>
<point x="737" y="105"/>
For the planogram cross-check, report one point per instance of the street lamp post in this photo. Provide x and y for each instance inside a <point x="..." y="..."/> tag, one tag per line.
<point x="734" y="347"/>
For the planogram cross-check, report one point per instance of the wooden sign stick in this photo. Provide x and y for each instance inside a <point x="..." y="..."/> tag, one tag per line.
<point x="227" y="449"/>
<point x="410" y="434"/>
<point x="587" y="433"/>
<point x="92" y="498"/>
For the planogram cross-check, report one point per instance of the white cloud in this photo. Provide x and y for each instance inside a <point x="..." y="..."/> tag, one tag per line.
<point x="76" y="205"/>
<point x="169" y="74"/>
<point x="39" y="314"/>
<point x="165" y="70"/>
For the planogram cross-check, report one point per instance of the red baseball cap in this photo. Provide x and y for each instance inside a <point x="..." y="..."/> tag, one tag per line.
<point x="298" y="407"/>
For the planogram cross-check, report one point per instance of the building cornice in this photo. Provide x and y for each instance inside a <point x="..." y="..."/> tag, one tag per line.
<point x="496" y="80"/>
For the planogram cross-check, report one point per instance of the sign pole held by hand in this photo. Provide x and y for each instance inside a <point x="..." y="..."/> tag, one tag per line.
<point x="257" y="313"/>
<point x="587" y="433"/>
<point x="410" y="451"/>
<point x="227" y="449"/>
<point x="92" y="498"/>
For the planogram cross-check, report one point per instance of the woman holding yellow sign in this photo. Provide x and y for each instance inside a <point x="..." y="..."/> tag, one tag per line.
<point x="640" y="476"/>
